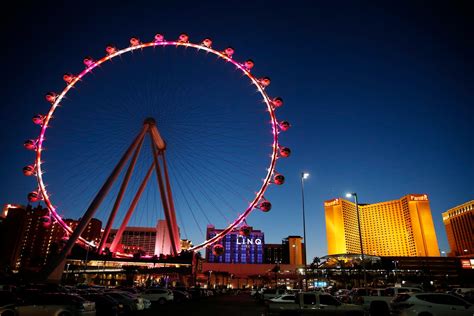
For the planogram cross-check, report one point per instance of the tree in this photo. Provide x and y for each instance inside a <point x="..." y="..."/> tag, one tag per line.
<point x="316" y="265"/>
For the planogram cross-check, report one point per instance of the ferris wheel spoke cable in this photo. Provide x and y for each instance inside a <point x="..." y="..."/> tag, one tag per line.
<point x="212" y="189"/>
<point x="191" y="193"/>
<point x="213" y="154"/>
<point x="207" y="184"/>
<point x="79" y="174"/>
<point x="214" y="171"/>
<point x="213" y="176"/>
<point x="194" y="179"/>
<point x="184" y="196"/>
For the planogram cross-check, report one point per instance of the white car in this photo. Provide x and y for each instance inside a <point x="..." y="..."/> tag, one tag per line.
<point x="431" y="304"/>
<point x="160" y="296"/>
<point x="285" y="298"/>
<point x="55" y="304"/>
<point x="268" y="294"/>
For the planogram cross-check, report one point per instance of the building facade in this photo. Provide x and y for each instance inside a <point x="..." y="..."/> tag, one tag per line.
<point x="141" y="240"/>
<point x="293" y="250"/>
<point x="237" y="248"/>
<point x="26" y="242"/>
<point x="401" y="227"/>
<point x="459" y="225"/>
<point x="274" y="253"/>
<point x="93" y="230"/>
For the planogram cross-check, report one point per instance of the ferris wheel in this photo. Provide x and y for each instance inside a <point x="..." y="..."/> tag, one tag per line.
<point x="172" y="187"/>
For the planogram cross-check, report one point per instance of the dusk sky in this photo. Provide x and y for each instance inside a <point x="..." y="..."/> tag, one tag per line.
<point x="380" y="98"/>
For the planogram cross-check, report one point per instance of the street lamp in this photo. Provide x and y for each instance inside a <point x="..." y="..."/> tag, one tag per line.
<point x="349" y="195"/>
<point x="304" y="175"/>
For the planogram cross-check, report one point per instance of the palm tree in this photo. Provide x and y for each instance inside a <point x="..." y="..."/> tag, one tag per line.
<point x="316" y="265"/>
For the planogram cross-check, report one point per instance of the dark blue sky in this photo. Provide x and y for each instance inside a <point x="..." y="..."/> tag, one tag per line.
<point x="380" y="96"/>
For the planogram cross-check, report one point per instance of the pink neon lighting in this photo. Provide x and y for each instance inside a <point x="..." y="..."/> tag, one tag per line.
<point x="112" y="53"/>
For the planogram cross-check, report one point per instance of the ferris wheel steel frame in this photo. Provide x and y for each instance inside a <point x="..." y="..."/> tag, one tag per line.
<point x="75" y="235"/>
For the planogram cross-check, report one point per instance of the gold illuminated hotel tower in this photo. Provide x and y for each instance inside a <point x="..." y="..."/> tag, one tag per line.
<point x="401" y="227"/>
<point x="459" y="224"/>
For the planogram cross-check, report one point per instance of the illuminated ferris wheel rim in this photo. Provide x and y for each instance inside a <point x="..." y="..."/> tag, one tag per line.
<point x="112" y="52"/>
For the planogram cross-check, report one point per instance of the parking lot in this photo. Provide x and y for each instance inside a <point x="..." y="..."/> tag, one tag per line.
<point x="228" y="305"/>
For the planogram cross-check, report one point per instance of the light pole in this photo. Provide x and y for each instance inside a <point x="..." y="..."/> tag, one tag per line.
<point x="360" y="237"/>
<point x="304" y="175"/>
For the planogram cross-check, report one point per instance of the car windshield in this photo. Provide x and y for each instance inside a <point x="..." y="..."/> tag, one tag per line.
<point x="401" y="298"/>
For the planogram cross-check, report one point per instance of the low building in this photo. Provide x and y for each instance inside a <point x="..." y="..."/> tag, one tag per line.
<point x="459" y="225"/>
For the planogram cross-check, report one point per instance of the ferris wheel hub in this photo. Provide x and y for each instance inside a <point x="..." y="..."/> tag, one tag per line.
<point x="149" y="121"/>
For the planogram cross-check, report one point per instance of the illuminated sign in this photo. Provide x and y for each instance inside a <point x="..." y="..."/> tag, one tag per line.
<point x="423" y="197"/>
<point x="467" y="263"/>
<point x="241" y="240"/>
<point x="332" y="202"/>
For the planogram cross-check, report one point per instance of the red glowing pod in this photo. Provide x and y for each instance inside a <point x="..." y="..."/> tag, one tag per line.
<point x="159" y="38"/>
<point x="285" y="152"/>
<point x="249" y="64"/>
<point x="45" y="221"/>
<point x="29" y="170"/>
<point x="51" y="97"/>
<point x="218" y="250"/>
<point x="30" y="144"/>
<point x="265" y="206"/>
<point x="38" y="119"/>
<point x="110" y="49"/>
<point x="277" y="102"/>
<point x="284" y="125"/>
<point x="245" y="231"/>
<point x="183" y="38"/>
<point x="265" y="81"/>
<point x="134" y="41"/>
<point x="229" y="51"/>
<point x="279" y="179"/>
<point x="207" y="42"/>
<point x="88" y="61"/>
<point x="68" y="77"/>
<point x="33" y="196"/>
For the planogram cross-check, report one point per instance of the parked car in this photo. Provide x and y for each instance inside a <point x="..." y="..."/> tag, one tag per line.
<point x="55" y="304"/>
<point x="433" y="304"/>
<point x="105" y="305"/>
<point x="130" y="302"/>
<point x="285" y="298"/>
<point x="7" y="303"/>
<point x="271" y="293"/>
<point x="378" y="299"/>
<point x="180" y="296"/>
<point x="157" y="295"/>
<point x="314" y="303"/>
<point x="146" y="303"/>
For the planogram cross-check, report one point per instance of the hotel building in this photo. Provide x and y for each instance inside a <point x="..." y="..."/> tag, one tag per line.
<point x="26" y="243"/>
<point x="401" y="227"/>
<point x="237" y="248"/>
<point x="458" y="222"/>
<point x="136" y="239"/>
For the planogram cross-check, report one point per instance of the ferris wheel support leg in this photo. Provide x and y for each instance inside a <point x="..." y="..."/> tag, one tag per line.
<point x="119" y="198"/>
<point x="175" y="233"/>
<point x="164" y="199"/>
<point x="131" y="209"/>
<point x="48" y="269"/>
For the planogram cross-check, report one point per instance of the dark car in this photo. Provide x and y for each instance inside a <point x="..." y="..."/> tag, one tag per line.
<point x="7" y="303"/>
<point x="105" y="305"/>
<point x="129" y="304"/>
<point x="180" y="296"/>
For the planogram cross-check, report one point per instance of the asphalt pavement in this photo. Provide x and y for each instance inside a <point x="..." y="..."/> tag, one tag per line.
<point x="227" y="305"/>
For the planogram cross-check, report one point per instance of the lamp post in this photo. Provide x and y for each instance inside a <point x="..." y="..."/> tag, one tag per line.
<point x="304" y="175"/>
<point x="360" y="237"/>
